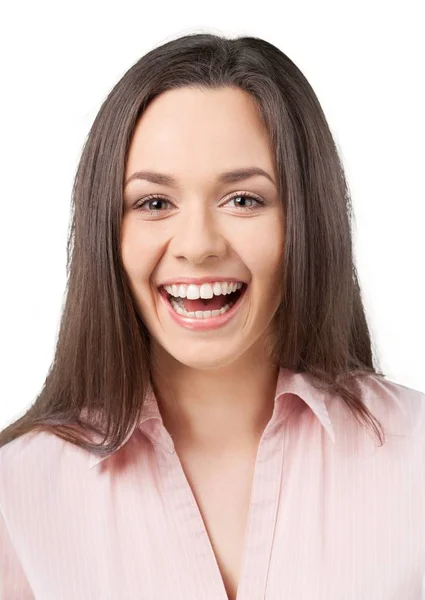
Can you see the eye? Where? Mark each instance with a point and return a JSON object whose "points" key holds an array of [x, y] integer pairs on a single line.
{"points": [[250, 197], [154, 199], [145, 203]]}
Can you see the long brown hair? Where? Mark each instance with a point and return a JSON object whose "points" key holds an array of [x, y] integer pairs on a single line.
{"points": [[102, 359]]}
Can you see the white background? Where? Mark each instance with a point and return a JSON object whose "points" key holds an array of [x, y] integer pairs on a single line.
{"points": [[58, 62]]}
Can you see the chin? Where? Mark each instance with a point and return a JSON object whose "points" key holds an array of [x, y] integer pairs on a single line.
{"points": [[203, 357]]}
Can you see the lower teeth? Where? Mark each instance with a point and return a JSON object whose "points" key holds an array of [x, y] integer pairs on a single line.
{"points": [[199, 314]]}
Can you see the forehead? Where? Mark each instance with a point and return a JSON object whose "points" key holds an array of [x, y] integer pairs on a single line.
{"points": [[194, 130]]}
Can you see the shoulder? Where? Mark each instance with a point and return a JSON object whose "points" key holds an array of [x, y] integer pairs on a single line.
{"points": [[376, 387], [393, 403], [33, 461], [28, 449]]}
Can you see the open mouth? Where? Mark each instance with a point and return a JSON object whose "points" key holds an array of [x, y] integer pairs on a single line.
{"points": [[203, 307]]}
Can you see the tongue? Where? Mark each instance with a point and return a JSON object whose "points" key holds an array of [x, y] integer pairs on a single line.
{"points": [[214, 303]]}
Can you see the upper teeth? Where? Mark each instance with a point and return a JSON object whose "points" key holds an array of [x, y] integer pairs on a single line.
{"points": [[206, 290]]}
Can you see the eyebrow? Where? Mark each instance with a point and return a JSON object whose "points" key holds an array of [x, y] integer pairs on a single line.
{"points": [[233, 176]]}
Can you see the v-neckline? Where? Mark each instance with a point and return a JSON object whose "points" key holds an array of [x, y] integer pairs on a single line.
{"points": [[260, 526]]}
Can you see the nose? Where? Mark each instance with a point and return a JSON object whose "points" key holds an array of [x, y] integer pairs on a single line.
{"points": [[199, 235]]}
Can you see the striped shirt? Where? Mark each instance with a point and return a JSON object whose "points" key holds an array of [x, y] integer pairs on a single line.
{"points": [[332, 515]]}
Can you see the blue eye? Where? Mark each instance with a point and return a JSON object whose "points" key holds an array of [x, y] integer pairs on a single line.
{"points": [[156, 198]]}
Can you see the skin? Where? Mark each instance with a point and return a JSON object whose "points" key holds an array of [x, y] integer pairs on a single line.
{"points": [[215, 388]]}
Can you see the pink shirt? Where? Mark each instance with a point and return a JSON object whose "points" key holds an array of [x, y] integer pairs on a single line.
{"points": [[332, 515]]}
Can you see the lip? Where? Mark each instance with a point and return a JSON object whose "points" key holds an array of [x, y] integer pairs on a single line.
{"points": [[203, 324], [199, 280]]}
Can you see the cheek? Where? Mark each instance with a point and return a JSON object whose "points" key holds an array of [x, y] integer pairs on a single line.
{"points": [[139, 252], [263, 254]]}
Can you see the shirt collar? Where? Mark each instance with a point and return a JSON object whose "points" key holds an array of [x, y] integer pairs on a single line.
{"points": [[288, 382]]}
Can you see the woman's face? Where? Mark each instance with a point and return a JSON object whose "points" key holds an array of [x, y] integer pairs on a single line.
{"points": [[199, 225]]}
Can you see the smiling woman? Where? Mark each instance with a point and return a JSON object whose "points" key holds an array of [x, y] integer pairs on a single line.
{"points": [[202, 229], [212, 353]]}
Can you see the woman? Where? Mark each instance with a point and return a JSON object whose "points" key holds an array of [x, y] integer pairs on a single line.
{"points": [[204, 430]]}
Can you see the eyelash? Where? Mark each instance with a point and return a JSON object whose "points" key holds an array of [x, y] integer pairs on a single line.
{"points": [[235, 195]]}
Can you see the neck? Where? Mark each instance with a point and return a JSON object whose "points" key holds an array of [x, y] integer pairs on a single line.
{"points": [[216, 409]]}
